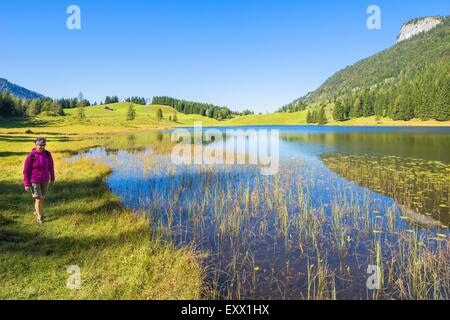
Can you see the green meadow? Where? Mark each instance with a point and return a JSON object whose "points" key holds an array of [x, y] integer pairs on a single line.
{"points": [[86, 226], [145, 116], [104, 119], [119, 256]]}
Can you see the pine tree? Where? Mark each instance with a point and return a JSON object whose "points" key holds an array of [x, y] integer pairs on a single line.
{"points": [[46, 107], [6, 105], [308, 117], [442, 100], [321, 116], [131, 113], [338, 111], [314, 116], [33, 108], [55, 108], [61, 110], [159, 114], [81, 115], [356, 111]]}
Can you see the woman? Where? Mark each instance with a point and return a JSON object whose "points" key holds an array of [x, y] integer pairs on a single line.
{"points": [[38, 171]]}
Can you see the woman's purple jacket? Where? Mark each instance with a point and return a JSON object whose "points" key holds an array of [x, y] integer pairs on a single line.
{"points": [[38, 168]]}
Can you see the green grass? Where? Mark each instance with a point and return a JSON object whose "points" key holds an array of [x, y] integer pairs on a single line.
{"points": [[299, 118], [144, 115], [101, 120], [373, 121], [277, 118], [88, 227]]}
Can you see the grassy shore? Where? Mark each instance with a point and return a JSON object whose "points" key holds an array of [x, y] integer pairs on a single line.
{"points": [[373, 121], [299, 118], [87, 227]]}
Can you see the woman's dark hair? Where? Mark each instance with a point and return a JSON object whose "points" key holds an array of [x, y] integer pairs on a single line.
{"points": [[39, 140]]}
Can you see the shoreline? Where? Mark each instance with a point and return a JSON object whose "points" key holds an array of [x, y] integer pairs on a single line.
{"points": [[351, 123], [316, 125]]}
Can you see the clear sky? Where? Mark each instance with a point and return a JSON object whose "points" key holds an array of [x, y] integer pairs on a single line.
{"points": [[257, 54]]}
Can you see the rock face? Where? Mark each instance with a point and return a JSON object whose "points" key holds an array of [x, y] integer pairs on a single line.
{"points": [[414, 27]]}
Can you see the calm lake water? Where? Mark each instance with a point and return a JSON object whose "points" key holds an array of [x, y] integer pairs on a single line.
{"points": [[345, 200]]}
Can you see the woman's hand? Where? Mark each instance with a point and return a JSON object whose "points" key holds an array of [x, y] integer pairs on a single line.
{"points": [[27, 189]]}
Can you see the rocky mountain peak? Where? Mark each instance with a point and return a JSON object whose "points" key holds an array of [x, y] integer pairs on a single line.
{"points": [[416, 26]]}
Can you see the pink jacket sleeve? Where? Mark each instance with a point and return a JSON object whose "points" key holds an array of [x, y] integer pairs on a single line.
{"points": [[27, 171], [51, 167]]}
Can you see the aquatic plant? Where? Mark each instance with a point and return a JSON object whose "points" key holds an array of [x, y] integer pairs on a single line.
{"points": [[304, 233]]}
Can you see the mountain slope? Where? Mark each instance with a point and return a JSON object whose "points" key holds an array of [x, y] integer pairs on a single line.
{"points": [[18, 91], [388, 65]]}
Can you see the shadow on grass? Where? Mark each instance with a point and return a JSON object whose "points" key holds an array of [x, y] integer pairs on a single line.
{"points": [[31, 137], [12, 154], [35, 243], [81, 199], [22, 123]]}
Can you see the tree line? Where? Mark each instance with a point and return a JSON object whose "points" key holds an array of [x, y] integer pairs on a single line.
{"points": [[204, 109], [136, 100], [113, 99], [422, 93], [317, 116], [12, 106], [297, 105]]}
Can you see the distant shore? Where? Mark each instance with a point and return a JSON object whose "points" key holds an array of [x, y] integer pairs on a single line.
{"points": [[100, 121]]}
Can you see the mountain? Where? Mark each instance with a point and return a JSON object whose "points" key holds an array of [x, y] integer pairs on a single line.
{"points": [[18, 91], [416, 26], [421, 42]]}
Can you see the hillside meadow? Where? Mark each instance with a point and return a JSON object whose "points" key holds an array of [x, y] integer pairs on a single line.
{"points": [[102, 120]]}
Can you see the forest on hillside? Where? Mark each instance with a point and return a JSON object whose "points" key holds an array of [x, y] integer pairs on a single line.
{"points": [[204, 109], [406, 56], [409, 80], [422, 93]]}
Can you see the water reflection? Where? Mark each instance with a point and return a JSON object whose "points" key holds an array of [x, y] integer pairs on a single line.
{"points": [[311, 230]]}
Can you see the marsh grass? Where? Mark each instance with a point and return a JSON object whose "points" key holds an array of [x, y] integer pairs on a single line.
{"points": [[301, 234], [420, 186]]}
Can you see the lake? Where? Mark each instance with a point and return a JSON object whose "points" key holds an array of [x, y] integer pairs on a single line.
{"points": [[353, 212]]}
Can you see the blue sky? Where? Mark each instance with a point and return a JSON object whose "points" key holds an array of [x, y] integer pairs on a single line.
{"points": [[256, 54]]}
